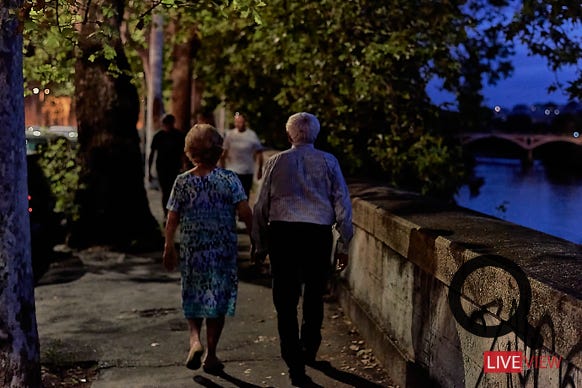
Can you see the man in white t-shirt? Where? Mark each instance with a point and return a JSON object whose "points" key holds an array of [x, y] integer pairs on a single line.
{"points": [[242, 149]]}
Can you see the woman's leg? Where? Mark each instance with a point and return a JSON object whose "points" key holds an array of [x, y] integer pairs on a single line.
{"points": [[195, 326], [196, 352], [214, 328]]}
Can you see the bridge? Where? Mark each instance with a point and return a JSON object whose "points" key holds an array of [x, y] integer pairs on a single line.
{"points": [[527, 141]]}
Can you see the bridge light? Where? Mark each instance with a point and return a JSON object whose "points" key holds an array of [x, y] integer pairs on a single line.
{"points": [[35, 90], [547, 112], [556, 112], [497, 108], [576, 134]]}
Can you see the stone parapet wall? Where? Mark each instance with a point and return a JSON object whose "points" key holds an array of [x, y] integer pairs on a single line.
{"points": [[403, 285]]}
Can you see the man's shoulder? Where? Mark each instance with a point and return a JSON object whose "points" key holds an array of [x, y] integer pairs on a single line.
{"points": [[330, 158]]}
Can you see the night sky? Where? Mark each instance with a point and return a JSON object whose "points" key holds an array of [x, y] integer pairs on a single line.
{"points": [[528, 84]]}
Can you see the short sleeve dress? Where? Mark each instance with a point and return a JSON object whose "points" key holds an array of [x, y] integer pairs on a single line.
{"points": [[208, 246]]}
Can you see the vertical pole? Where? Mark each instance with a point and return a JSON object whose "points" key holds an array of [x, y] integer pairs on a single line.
{"points": [[154, 108]]}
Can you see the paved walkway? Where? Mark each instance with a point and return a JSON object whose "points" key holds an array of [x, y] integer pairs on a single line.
{"points": [[122, 314]]}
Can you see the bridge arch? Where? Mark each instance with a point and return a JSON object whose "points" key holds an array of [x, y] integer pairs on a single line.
{"points": [[525, 141]]}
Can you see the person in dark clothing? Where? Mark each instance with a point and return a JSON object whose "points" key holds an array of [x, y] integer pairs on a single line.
{"points": [[168, 150]]}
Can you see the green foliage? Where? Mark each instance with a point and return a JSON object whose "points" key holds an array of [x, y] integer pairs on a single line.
{"points": [[362, 67], [51, 33], [59, 164], [429, 160]]}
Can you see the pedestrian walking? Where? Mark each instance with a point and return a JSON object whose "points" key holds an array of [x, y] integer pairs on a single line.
{"points": [[303, 195], [168, 151], [203, 202], [242, 150]]}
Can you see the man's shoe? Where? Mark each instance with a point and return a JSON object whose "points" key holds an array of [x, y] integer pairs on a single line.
{"points": [[309, 358], [301, 380]]}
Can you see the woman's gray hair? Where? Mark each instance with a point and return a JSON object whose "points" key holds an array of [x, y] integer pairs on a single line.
{"points": [[203, 144], [302, 128]]}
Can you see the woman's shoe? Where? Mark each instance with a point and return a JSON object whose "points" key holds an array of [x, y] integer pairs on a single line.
{"points": [[214, 368], [194, 360]]}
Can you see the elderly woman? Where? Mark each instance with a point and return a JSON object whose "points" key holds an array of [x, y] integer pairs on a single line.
{"points": [[302, 196], [204, 202]]}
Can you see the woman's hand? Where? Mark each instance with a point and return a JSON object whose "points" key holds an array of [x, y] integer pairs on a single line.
{"points": [[170, 257]]}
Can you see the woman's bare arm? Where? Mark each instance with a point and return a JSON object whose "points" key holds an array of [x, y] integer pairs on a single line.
{"points": [[245, 215], [170, 256]]}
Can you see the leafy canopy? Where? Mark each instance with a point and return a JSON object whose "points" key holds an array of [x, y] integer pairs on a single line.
{"points": [[361, 66]]}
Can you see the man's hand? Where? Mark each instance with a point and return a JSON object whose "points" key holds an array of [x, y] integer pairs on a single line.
{"points": [[341, 261], [170, 257]]}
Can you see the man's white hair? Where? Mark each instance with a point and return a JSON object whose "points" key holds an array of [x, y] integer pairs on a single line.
{"points": [[302, 128]]}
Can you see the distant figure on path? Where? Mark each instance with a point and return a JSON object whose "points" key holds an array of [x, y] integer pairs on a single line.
{"points": [[242, 148], [303, 195], [205, 117], [203, 202], [168, 150]]}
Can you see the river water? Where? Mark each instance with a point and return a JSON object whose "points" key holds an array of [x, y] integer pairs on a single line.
{"points": [[536, 197]]}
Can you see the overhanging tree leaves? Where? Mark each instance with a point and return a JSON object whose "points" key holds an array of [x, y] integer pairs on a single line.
{"points": [[552, 29], [362, 67], [84, 38]]}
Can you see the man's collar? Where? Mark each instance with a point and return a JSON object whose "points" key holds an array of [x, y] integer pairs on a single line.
{"points": [[306, 145]]}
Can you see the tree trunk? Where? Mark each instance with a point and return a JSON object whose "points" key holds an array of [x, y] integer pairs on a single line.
{"points": [[114, 206], [181, 75], [155, 107], [19, 349]]}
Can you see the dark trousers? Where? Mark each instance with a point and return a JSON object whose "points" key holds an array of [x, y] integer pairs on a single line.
{"points": [[247, 182], [300, 256]]}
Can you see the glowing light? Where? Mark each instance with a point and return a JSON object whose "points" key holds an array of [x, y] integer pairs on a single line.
{"points": [[497, 108], [30, 210], [36, 90], [73, 134], [547, 112], [556, 112], [47, 91], [36, 133], [29, 197], [576, 134]]}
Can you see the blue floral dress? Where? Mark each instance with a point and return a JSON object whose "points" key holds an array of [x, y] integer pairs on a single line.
{"points": [[208, 247]]}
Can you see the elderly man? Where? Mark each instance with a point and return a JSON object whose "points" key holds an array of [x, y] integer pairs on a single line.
{"points": [[303, 196]]}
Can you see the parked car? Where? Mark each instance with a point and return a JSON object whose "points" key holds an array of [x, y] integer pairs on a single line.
{"points": [[70, 133]]}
